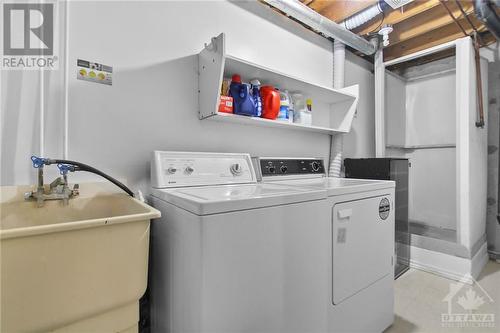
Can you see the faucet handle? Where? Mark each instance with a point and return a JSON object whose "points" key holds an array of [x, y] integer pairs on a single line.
{"points": [[38, 162], [65, 168]]}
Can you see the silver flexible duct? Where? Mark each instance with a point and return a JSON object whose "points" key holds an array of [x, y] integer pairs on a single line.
{"points": [[363, 17], [318, 22]]}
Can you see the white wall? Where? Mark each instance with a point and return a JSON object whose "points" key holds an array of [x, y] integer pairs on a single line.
{"points": [[152, 103], [493, 217], [395, 108], [432, 185], [360, 141], [430, 105], [471, 147], [422, 112]]}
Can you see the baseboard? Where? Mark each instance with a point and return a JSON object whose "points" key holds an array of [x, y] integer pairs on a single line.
{"points": [[479, 260], [494, 255], [449, 266]]}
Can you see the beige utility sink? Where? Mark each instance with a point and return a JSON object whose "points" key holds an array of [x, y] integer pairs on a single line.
{"points": [[75, 268]]}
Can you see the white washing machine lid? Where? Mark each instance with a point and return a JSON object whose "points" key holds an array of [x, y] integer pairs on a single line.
{"points": [[338, 186], [205, 200]]}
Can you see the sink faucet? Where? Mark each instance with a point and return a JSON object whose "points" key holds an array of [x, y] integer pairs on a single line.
{"points": [[58, 189]]}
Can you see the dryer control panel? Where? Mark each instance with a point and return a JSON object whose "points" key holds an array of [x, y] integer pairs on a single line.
{"points": [[290, 166]]}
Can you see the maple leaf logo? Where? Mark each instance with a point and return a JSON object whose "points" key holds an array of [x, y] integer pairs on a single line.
{"points": [[471, 301]]}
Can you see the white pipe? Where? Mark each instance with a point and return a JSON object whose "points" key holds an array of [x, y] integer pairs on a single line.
{"points": [[338, 65], [337, 145], [66, 81], [41, 138]]}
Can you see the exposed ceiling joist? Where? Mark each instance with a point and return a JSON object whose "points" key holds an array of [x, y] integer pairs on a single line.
{"points": [[340, 10], [417, 25], [426, 40], [433, 20]]}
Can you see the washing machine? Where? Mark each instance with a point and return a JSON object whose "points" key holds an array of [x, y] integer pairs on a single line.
{"points": [[233, 255], [360, 217]]}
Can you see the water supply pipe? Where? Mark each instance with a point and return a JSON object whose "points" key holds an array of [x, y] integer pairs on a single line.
{"points": [[318, 22], [41, 138], [66, 83]]}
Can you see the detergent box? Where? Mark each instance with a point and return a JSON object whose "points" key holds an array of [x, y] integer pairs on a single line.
{"points": [[226, 104]]}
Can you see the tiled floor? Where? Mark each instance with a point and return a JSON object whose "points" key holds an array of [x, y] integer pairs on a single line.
{"points": [[420, 301]]}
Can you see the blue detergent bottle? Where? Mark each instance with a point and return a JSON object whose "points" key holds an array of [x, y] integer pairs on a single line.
{"points": [[242, 99], [255, 87]]}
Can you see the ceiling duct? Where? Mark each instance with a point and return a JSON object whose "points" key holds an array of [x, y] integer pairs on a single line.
{"points": [[366, 15], [318, 22]]}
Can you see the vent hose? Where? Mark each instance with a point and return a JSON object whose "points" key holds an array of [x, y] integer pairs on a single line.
{"points": [[337, 144]]}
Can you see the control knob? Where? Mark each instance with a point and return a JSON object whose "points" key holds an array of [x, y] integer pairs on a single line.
{"points": [[315, 166], [236, 169], [171, 170], [189, 170], [283, 169]]}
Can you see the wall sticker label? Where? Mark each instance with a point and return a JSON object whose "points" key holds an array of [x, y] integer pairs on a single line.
{"points": [[94, 72], [383, 208]]}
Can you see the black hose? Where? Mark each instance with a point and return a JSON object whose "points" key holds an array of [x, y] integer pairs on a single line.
{"points": [[84, 167]]}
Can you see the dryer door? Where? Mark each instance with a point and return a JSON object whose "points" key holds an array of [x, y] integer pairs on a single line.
{"points": [[363, 243]]}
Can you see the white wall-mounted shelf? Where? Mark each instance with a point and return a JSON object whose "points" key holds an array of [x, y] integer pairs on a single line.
{"points": [[333, 109], [435, 146]]}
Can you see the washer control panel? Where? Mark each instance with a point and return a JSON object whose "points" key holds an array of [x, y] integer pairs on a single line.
{"points": [[288, 166], [178, 169]]}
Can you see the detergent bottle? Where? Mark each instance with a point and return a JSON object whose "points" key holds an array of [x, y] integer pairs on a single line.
{"points": [[290, 107], [255, 86], [242, 99], [270, 102], [284, 105]]}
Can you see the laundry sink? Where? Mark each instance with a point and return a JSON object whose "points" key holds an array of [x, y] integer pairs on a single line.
{"points": [[75, 268]]}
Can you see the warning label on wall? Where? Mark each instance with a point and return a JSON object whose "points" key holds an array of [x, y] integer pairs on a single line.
{"points": [[94, 72]]}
